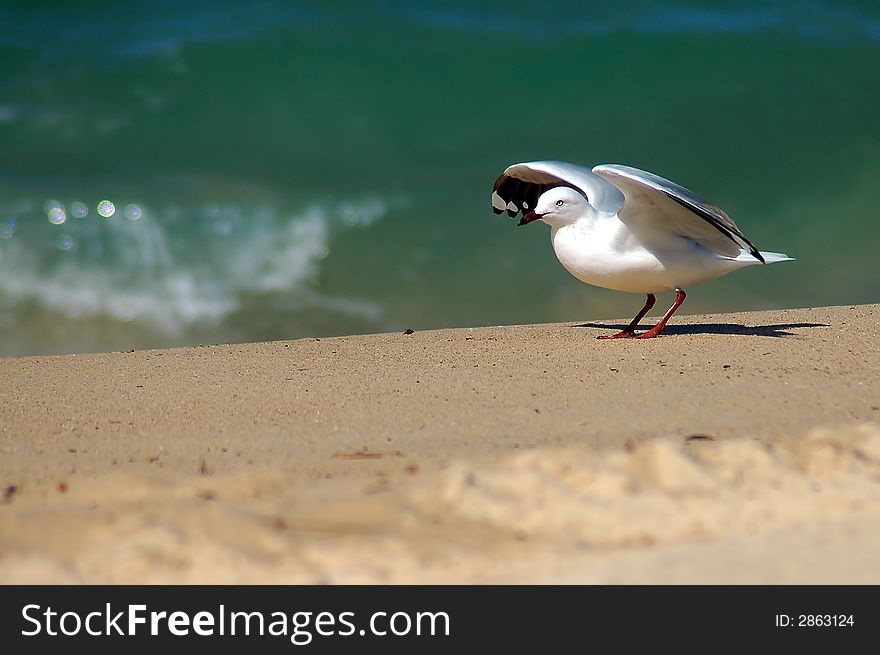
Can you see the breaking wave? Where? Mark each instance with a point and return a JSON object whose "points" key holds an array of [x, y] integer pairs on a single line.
{"points": [[174, 266]]}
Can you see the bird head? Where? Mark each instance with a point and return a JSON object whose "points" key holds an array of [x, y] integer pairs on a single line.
{"points": [[558, 206]]}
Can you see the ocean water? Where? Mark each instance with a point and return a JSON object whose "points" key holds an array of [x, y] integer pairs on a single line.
{"points": [[178, 173]]}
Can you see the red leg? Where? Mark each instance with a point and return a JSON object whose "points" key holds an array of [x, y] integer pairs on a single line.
{"points": [[680, 295], [630, 330]]}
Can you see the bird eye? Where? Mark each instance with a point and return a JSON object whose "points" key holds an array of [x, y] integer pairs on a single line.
{"points": [[559, 203]]}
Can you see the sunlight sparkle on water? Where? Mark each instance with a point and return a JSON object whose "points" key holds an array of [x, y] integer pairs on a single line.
{"points": [[55, 212], [65, 242], [106, 208], [78, 209], [133, 212]]}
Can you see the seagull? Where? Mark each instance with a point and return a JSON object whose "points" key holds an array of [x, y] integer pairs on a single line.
{"points": [[622, 228]]}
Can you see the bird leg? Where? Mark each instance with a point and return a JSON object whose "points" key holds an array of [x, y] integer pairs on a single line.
{"points": [[630, 330], [680, 295]]}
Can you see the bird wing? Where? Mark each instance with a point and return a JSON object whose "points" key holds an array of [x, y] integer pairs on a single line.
{"points": [[654, 203], [519, 186]]}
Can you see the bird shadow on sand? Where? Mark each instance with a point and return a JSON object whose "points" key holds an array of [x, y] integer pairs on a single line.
{"points": [[779, 330]]}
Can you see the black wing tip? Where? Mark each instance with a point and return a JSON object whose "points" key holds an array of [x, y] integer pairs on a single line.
{"points": [[736, 236], [496, 210]]}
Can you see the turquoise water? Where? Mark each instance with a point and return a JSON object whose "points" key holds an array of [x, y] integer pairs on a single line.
{"points": [[281, 169]]}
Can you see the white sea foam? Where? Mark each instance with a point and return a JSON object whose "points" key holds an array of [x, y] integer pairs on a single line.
{"points": [[176, 266]]}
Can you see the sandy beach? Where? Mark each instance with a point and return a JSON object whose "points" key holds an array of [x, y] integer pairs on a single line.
{"points": [[736, 448]]}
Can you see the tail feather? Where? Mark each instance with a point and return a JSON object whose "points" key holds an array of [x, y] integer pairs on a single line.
{"points": [[773, 257]]}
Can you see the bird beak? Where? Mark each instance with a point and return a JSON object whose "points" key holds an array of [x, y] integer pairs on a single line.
{"points": [[528, 218]]}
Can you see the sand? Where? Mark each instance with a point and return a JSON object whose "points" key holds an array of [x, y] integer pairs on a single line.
{"points": [[738, 448]]}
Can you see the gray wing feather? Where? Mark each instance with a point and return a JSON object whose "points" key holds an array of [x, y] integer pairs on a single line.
{"points": [[651, 198]]}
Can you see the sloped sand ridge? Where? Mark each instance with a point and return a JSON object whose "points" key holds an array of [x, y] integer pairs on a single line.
{"points": [[704, 510], [664, 492]]}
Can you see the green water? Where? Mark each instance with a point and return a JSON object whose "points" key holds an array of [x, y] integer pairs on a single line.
{"points": [[282, 169]]}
